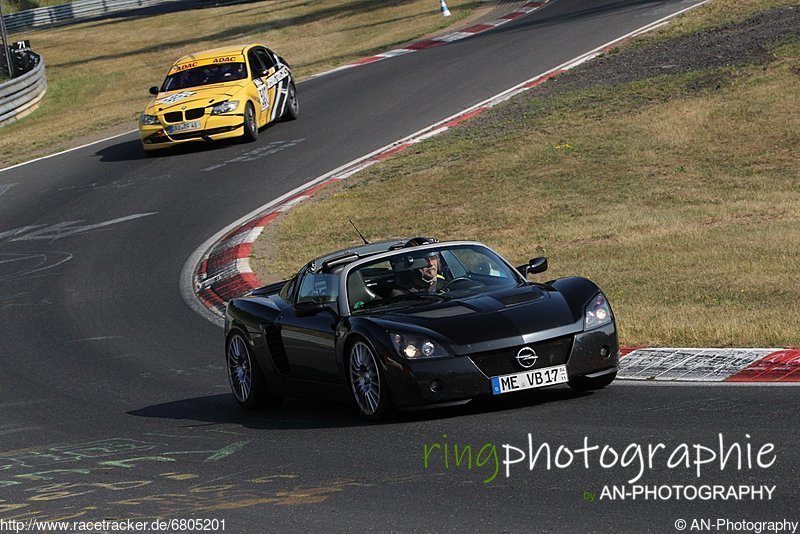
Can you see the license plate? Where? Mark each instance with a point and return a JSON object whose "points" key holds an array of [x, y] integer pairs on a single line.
{"points": [[536, 378], [175, 128]]}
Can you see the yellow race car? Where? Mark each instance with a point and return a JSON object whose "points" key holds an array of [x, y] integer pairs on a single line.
{"points": [[219, 94]]}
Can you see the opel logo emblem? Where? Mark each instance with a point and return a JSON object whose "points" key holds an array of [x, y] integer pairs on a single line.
{"points": [[527, 357]]}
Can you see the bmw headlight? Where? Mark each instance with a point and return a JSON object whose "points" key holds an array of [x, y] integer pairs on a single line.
{"points": [[597, 312], [413, 347], [149, 120], [224, 107]]}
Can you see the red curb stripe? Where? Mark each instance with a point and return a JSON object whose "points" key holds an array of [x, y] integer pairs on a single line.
{"points": [[512, 16], [367, 60], [392, 151], [263, 221], [544, 78], [316, 188], [534, 4], [423, 45], [218, 262], [465, 117], [780, 366], [235, 286], [478, 28]]}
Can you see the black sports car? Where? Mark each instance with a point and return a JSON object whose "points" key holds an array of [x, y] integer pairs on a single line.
{"points": [[413, 322]]}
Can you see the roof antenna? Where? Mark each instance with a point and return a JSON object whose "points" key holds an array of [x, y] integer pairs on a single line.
{"points": [[359, 233]]}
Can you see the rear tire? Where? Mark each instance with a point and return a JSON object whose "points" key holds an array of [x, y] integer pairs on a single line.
{"points": [[244, 375], [250, 124], [367, 383], [582, 383]]}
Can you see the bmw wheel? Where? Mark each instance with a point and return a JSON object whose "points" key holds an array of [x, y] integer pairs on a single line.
{"points": [[244, 375], [292, 105], [366, 382], [250, 124]]}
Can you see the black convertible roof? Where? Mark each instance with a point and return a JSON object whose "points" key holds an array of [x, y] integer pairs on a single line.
{"points": [[348, 255]]}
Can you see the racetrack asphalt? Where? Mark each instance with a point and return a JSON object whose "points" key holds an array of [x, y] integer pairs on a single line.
{"points": [[114, 400]]}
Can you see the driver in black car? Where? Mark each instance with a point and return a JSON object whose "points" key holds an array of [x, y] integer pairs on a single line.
{"points": [[418, 275]]}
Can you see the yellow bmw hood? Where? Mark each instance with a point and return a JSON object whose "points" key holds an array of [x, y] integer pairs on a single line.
{"points": [[194, 97]]}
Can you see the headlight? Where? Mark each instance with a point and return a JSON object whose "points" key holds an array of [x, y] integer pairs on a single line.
{"points": [[224, 107], [149, 119], [597, 313], [414, 347]]}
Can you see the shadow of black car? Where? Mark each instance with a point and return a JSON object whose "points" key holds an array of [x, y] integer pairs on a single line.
{"points": [[311, 413]]}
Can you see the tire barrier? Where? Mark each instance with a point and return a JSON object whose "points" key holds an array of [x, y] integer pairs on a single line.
{"points": [[22, 94]]}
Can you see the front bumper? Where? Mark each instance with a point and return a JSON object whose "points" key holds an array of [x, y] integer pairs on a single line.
{"points": [[213, 128], [415, 383]]}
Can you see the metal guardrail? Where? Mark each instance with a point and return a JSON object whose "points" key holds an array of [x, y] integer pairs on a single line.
{"points": [[19, 96], [83, 9]]}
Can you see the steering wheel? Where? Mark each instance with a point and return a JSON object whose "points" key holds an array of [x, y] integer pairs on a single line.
{"points": [[450, 285]]}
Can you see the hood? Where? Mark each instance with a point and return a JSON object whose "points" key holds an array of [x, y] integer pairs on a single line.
{"points": [[194, 97], [488, 322]]}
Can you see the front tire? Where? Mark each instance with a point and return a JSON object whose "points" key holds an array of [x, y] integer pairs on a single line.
{"points": [[250, 123], [367, 383], [244, 376]]}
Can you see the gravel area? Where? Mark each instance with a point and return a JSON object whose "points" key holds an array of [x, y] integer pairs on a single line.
{"points": [[736, 44]]}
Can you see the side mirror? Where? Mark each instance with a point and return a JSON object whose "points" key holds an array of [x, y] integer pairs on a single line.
{"points": [[154, 90], [309, 307], [535, 265]]}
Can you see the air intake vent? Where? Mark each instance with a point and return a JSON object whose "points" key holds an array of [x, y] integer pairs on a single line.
{"points": [[276, 349]]}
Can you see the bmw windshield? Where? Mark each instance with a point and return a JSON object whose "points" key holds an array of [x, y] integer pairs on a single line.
{"points": [[409, 278], [205, 75]]}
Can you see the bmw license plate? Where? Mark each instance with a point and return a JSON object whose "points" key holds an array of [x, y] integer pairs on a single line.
{"points": [[175, 128], [537, 378]]}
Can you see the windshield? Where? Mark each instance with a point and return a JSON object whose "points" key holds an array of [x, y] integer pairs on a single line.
{"points": [[412, 278], [205, 75]]}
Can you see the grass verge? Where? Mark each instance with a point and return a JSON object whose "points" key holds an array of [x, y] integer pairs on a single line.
{"points": [[98, 72], [679, 194]]}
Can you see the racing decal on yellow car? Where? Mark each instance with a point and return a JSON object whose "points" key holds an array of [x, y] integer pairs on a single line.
{"points": [[177, 97], [262, 93], [201, 62], [273, 80]]}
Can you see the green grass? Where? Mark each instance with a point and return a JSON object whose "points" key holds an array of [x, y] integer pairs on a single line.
{"points": [[679, 195], [98, 73]]}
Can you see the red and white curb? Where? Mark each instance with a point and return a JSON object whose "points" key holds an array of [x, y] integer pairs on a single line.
{"points": [[440, 40], [710, 365]]}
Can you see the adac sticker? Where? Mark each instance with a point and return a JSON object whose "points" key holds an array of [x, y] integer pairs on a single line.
{"points": [[177, 97], [202, 62]]}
